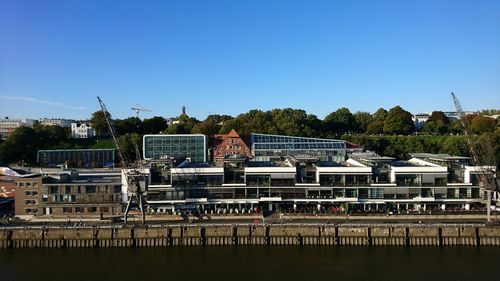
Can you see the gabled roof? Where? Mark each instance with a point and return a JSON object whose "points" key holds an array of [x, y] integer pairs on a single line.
{"points": [[233, 134]]}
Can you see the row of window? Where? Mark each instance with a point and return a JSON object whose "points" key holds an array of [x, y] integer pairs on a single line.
{"points": [[27, 184], [88, 189], [31, 210], [31, 193], [92, 209], [30, 202], [361, 193]]}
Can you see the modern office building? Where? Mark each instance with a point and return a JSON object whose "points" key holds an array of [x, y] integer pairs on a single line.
{"points": [[82, 131], [275, 148], [364, 182], [7, 126], [76, 158], [230, 144], [190, 146]]}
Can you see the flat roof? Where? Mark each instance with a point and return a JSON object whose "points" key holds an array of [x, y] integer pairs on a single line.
{"points": [[84, 179], [196, 165], [77, 149], [263, 164], [174, 135], [370, 157], [439, 157], [284, 136], [402, 163]]}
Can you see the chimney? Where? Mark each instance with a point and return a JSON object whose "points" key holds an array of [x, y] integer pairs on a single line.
{"points": [[183, 110]]}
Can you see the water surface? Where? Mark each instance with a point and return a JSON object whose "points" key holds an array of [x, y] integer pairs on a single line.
{"points": [[252, 263]]}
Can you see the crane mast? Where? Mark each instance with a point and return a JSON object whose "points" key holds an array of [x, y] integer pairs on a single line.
{"points": [[137, 182], [479, 158]]}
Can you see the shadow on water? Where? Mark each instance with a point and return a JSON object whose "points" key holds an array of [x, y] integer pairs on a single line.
{"points": [[251, 263]]}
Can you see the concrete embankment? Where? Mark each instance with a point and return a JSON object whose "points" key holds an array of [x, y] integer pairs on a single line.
{"points": [[242, 235]]}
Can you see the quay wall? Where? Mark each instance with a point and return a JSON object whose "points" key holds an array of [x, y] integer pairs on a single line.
{"points": [[243, 235]]}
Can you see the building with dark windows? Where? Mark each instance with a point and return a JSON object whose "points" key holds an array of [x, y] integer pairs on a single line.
{"points": [[363, 182], [69, 194], [77, 158], [230, 145], [191, 146], [27, 195], [275, 148]]}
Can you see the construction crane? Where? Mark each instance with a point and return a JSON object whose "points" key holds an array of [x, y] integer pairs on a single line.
{"points": [[481, 158], [137, 108], [137, 181]]}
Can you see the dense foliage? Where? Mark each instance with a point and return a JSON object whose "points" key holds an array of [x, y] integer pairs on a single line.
{"points": [[388, 132]]}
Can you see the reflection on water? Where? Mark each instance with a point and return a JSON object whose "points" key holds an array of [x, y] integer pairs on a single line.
{"points": [[251, 263]]}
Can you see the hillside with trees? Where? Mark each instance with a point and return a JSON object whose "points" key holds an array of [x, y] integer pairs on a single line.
{"points": [[388, 132]]}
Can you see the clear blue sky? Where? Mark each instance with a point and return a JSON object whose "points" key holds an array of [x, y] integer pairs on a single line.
{"points": [[231, 56]]}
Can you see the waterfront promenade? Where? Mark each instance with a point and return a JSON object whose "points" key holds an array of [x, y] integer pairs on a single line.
{"points": [[244, 234]]}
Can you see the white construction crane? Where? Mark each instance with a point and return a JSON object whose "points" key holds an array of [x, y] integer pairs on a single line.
{"points": [[136, 178], [482, 159], [137, 108]]}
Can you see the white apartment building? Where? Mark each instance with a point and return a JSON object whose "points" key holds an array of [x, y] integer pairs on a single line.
{"points": [[83, 131]]}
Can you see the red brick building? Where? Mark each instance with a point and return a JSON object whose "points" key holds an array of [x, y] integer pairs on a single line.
{"points": [[229, 144]]}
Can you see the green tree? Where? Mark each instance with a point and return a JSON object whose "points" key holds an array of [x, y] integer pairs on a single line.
{"points": [[437, 123], [435, 127], [219, 119], [455, 145], [153, 125], [98, 122], [482, 124], [49, 136], [455, 127], [398, 122], [126, 143], [128, 125], [209, 127], [22, 145], [363, 120], [375, 127], [439, 116], [184, 125], [340, 122], [293, 122], [379, 115]]}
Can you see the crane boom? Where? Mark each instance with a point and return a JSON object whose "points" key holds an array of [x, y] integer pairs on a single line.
{"points": [[479, 157], [137, 182], [137, 108], [124, 161]]}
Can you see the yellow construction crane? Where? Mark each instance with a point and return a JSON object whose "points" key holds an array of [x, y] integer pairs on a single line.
{"points": [[481, 159]]}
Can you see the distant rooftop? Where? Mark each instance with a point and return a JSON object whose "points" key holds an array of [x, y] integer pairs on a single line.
{"points": [[265, 164], [405, 164], [335, 164], [83, 179], [439, 157], [195, 165], [371, 156]]}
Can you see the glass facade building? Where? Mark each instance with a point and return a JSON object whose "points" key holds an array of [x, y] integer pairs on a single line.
{"points": [[274, 148], [82, 158], [156, 147]]}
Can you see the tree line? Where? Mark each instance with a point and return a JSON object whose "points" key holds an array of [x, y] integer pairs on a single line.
{"points": [[388, 132]]}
